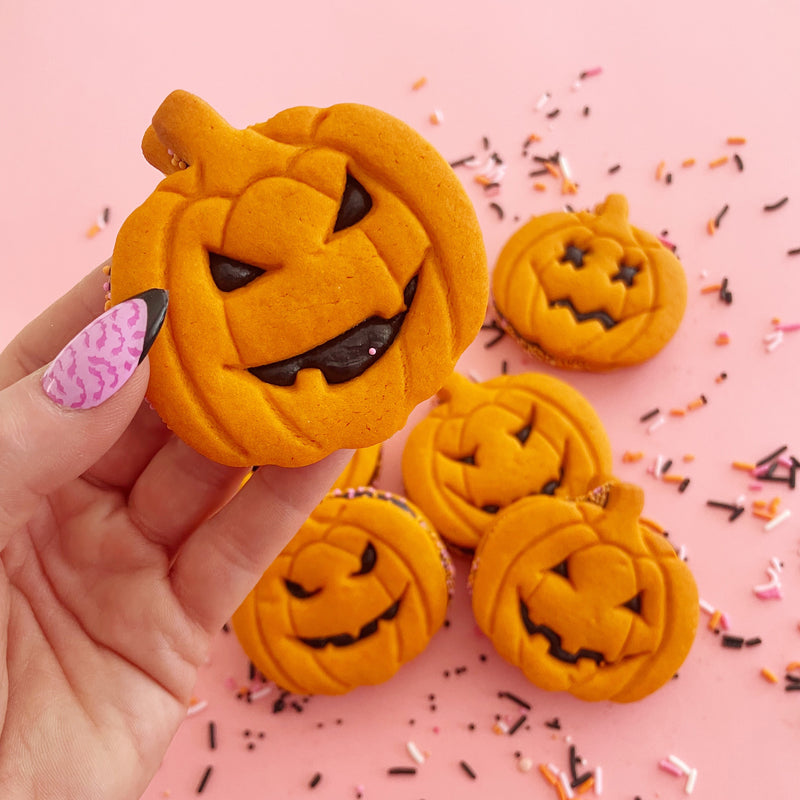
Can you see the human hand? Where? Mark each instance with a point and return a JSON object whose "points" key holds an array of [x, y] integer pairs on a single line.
{"points": [[122, 554]]}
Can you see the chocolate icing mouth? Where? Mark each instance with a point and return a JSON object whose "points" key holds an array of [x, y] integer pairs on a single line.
{"points": [[345, 356], [556, 650], [603, 317], [346, 639]]}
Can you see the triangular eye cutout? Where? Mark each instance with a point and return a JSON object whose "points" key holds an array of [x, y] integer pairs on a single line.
{"points": [[561, 569], [230, 274], [355, 204], [522, 434], [634, 604]]}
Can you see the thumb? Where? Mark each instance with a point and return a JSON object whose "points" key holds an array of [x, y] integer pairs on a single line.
{"points": [[57, 422]]}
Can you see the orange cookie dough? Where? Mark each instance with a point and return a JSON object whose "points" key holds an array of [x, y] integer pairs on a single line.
{"points": [[588, 290], [361, 470], [584, 598], [325, 271], [489, 444], [359, 591]]}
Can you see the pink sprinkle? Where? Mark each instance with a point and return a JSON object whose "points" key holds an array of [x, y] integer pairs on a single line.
{"points": [[785, 462], [771, 593], [666, 242], [725, 622], [788, 326], [759, 471], [668, 766], [436, 729], [755, 487], [590, 73], [372, 351]]}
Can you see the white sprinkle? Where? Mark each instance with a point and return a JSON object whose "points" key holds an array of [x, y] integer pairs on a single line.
{"points": [[575, 85], [525, 764], [598, 781], [542, 102], [706, 606], [565, 783], [565, 170], [691, 781], [681, 765], [775, 521], [196, 707], [776, 563], [774, 341], [682, 552], [259, 693], [415, 753], [657, 424]]}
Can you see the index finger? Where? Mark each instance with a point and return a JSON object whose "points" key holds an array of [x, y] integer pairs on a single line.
{"points": [[40, 341]]}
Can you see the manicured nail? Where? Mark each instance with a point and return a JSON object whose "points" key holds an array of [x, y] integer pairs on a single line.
{"points": [[98, 362]]}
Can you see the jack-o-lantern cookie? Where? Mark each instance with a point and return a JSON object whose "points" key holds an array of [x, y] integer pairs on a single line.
{"points": [[325, 270], [487, 445], [588, 290], [584, 598], [361, 470], [358, 592]]}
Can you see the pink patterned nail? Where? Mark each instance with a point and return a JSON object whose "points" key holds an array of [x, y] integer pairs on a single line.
{"points": [[99, 360]]}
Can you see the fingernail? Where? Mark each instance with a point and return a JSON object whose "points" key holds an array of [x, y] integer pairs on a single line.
{"points": [[98, 362]]}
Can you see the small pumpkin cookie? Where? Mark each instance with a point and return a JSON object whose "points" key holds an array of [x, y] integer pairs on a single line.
{"points": [[487, 445], [359, 591], [361, 469], [584, 598], [325, 269], [588, 290]]}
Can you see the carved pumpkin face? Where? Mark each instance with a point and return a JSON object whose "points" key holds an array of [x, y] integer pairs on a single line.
{"points": [[319, 286], [589, 291], [490, 444], [358, 592], [583, 598]]}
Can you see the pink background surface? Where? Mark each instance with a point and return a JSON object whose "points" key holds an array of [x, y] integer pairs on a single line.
{"points": [[80, 83]]}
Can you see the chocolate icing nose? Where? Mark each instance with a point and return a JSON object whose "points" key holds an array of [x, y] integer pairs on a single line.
{"points": [[344, 357]]}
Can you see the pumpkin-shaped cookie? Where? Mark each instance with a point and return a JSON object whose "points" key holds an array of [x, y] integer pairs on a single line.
{"points": [[487, 445], [358, 592], [325, 271], [583, 598], [588, 290], [361, 470]]}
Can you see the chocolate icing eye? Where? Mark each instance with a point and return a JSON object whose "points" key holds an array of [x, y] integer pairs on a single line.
{"points": [[626, 274], [230, 274], [573, 255], [634, 604], [523, 434], [355, 204], [368, 559], [561, 569], [299, 591]]}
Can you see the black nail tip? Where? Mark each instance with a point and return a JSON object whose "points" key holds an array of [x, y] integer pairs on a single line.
{"points": [[156, 301]]}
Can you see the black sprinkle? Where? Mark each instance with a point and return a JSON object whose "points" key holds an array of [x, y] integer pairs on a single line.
{"points": [[517, 725], [504, 371], [315, 780], [752, 642], [649, 415], [792, 687], [586, 111], [518, 700], [402, 771], [212, 735], [106, 214], [204, 780], [792, 678], [226, 628], [573, 761], [719, 216], [739, 511], [724, 293], [739, 163], [668, 177], [683, 485], [615, 168], [493, 326], [468, 769], [666, 466], [498, 209], [732, 641], [795, 251], [554, 113], [536, 173], [580, 780], [485, 142], [461, 161], [772, 455], [251, 745], [554, 723], [252, 671], [775, 206]]}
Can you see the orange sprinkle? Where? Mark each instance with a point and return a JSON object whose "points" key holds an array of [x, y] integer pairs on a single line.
{"points": [[419, 83], [660, 170], [714, 287], [722, 338], [719, 379], [568, 187], [670, 478], [688, 162], [552, 169], [677, 412], [544, 769], [769, 675], [106, 305], [713, 623], [628, 457], [106, 269], [534, 137], [718, 162], [93, 231], [711, 226], [540, 187], [737, 140], [792, 666], [744, 465], [586, 785], [695, 404], [763, 514], [774, 503], [689, 457], [482, 180], [759, 503]]}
